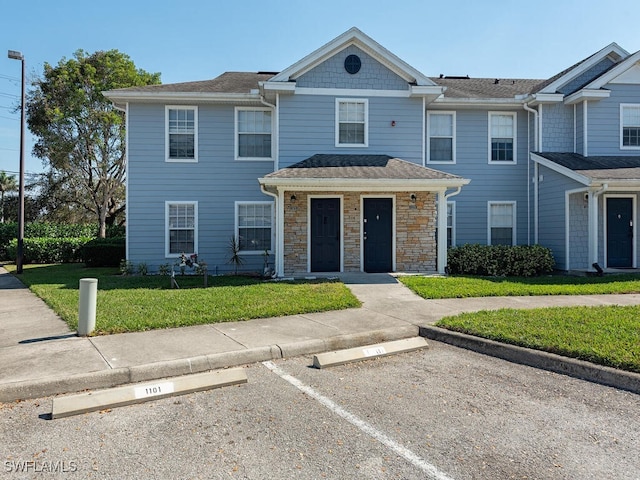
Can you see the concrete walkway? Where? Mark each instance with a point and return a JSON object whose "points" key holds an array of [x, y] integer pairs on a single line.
{"points": [[40, 356]]}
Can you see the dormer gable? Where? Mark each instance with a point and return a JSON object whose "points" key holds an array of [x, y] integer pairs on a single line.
{"points": [[354, 36], [585, 70]]}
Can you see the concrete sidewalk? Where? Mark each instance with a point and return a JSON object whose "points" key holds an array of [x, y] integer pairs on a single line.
{"points": [[40, 356]]}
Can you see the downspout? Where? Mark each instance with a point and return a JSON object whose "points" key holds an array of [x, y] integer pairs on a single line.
{"points": [[442, 227], [593, 223], [535, 147], [279, 256]]}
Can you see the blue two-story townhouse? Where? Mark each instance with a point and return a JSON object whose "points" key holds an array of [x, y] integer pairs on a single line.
{"points": [[351, 160]]}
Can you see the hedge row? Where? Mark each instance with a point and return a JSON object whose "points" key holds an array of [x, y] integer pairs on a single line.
{"points": [[103, 252], [95, 252], [9, 231], [500, 260]]}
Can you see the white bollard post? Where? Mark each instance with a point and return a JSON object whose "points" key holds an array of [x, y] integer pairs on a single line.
{"points": [[87, 306]]}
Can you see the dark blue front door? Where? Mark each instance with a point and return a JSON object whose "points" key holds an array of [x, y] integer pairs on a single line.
{"points": [[619, 232], [377, 233], [325, 234]]}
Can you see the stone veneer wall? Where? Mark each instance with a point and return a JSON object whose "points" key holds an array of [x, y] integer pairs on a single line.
{"points": [[415, 230]]}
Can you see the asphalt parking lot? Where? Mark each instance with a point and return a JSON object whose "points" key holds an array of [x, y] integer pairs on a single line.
{"points": [[438, 413]]}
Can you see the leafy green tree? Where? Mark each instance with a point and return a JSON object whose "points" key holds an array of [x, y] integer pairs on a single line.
{"points": [[7, 184], [80, 134]]}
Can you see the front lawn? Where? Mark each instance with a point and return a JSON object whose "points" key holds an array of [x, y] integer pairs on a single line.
{"points": [[136, 303], [466, 286], [604, 335]]}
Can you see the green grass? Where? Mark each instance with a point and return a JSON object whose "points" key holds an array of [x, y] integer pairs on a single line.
{"points": [[137, 303], [605, 335], [467, 286]]}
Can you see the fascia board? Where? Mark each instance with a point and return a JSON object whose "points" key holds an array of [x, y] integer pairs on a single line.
{"points": [[605, 78], [584, 66], [349, 184], [196, 97], [542, 98], [586, 94], [355, 37], [567, 172], [278, 87], [488, 102]]}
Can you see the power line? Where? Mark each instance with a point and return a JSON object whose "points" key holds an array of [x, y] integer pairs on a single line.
{"points": [[8, 77], [9, 118]]}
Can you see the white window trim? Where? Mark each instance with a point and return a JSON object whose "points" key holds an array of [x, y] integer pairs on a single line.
{"points": [[513, 224], [363, 101], [453, 138], [453, 223], [167, 241], [237, 225], [195, 133], [515, 139], [236, 135], [622, 107]]}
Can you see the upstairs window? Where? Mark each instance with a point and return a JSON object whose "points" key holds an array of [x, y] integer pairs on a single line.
{"points": [[182, 134], [351, 123], [502, 221], [253, 134], [502, 137], [254, 232], [441, 137], [630, 120], [181, 228]]}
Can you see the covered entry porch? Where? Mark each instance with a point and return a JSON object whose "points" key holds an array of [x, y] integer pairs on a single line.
{"points": [[359, 213]]}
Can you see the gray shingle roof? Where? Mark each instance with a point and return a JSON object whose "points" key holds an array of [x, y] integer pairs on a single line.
{"points": [[600, 167], [486, 87], [359, 167], [228, 82]]}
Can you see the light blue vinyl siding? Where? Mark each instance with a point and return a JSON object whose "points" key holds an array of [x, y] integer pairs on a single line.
{"points": [[372, 75], [307, 127], [579, 129], [551, 211], [215, 182], [489, 182], [604, 121]]}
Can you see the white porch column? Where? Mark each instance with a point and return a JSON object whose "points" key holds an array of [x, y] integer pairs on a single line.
{"points": [[593, 228], [442, 231], [280, 234]]}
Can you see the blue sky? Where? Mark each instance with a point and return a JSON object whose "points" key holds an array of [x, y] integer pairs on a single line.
{"points": [[198, 40]]}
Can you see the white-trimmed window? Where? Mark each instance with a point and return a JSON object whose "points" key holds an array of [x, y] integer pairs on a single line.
{"points": [[451, 224], [629, 126], [441, 137], [253, 133], [254, 230], [181, 226], [502, 223], [352, 122], [181, 133], [502, 137]]}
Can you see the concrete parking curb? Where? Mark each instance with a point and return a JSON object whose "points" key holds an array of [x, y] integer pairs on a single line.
{"points": [[171, 368], [572, 367]]}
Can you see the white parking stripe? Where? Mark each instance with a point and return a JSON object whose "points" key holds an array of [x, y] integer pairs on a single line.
{"points": [[415, 460]]}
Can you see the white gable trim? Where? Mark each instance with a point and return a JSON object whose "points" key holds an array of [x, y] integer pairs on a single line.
{"points": [[613, 48], [354, 36]]}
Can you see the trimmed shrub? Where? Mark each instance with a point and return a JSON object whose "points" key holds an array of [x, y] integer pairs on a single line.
{"points": [[500, 260], [103, 252], [48, 250], [9, 231]]}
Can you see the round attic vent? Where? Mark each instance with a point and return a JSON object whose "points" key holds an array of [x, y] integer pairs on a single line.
{"points": [[352, 64]]}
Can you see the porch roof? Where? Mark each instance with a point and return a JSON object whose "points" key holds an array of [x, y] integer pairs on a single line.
{"points": [[597, 169], [346, 172]]}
